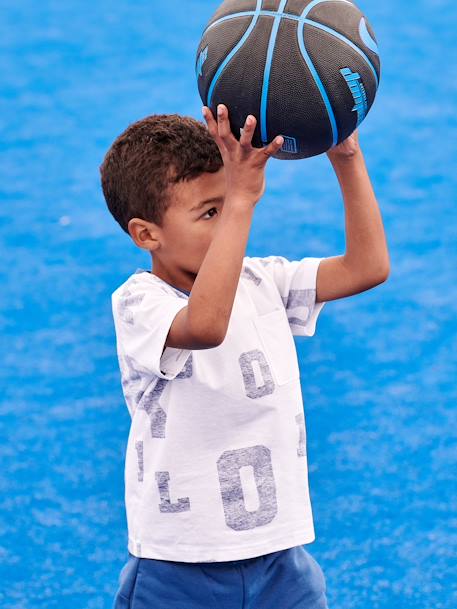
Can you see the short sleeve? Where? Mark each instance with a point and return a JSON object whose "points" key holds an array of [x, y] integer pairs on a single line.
{"points": [[143, 315], [296, 282]]}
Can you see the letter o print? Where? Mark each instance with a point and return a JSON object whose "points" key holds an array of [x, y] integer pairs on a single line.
{"points": [[228, 466], [247, 370]]}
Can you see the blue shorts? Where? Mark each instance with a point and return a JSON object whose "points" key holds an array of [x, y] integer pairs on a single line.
{"points": [[287, 579]]}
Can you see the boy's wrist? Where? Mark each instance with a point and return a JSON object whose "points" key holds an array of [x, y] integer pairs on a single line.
{"points": [[239, 204], [346, 152], [335, 156], [342, 162]]}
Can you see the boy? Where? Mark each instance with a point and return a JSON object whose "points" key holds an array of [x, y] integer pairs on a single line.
{"points": [[217, 496]]}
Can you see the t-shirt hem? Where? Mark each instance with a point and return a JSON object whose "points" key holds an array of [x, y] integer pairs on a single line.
{"points": [[191, 554]]}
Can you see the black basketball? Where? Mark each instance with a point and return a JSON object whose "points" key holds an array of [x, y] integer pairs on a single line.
{"points": [[307, 70]]}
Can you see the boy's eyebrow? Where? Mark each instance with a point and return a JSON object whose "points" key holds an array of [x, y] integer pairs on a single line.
{"points": [[206, 201]]}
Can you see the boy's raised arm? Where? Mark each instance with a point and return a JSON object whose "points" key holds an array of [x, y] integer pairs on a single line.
{"points": [[213, 293], [366, 261]]}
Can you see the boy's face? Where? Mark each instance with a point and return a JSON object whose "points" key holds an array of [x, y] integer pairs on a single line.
{"points": [[180, 246]]}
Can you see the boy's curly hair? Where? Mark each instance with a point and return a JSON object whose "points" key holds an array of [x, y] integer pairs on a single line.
{"points": [[147, 157]]}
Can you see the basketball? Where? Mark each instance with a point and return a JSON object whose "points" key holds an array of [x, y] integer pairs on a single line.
{"points": [[307, 70]]}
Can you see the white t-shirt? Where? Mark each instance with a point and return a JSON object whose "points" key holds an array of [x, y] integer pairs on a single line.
{"points": [[216, 464]]}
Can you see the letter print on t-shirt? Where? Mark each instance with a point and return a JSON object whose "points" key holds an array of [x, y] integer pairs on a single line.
{"points": [[247, 361], [229, 466], [216, 458]]}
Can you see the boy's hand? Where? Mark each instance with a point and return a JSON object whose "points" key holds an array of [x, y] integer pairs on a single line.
{"points": [[244, 164], [345, 150]]}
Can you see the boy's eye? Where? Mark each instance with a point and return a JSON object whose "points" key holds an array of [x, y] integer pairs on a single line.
{"points": [[212, 208]]}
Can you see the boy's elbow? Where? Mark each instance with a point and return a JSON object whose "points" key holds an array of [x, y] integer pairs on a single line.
{"points": [[213, 338], [381, 275], [219, 339]]}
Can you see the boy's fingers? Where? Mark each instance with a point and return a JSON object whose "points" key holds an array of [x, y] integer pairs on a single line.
{"points": [[247, 132], [210, 121], [207, 114], [221, 132], [213, 128], [274, 147], [225, 133]]}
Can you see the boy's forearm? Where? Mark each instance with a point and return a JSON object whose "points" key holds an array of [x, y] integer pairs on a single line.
{"points": [[213, 293], [366, 245]]}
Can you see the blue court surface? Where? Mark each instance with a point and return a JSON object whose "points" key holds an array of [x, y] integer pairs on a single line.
{"points": [[378, 378]]}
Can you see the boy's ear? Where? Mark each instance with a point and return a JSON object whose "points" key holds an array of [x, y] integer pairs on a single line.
{"points": [[144, 234]]}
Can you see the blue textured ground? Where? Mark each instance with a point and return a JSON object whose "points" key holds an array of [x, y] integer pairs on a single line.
{"points": [[379, 377]]}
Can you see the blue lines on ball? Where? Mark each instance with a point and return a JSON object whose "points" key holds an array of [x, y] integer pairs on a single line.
{"points": [[320, 86], [366, 37], [266, 75], [234, 51], [319, 26], [301, 20]]}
